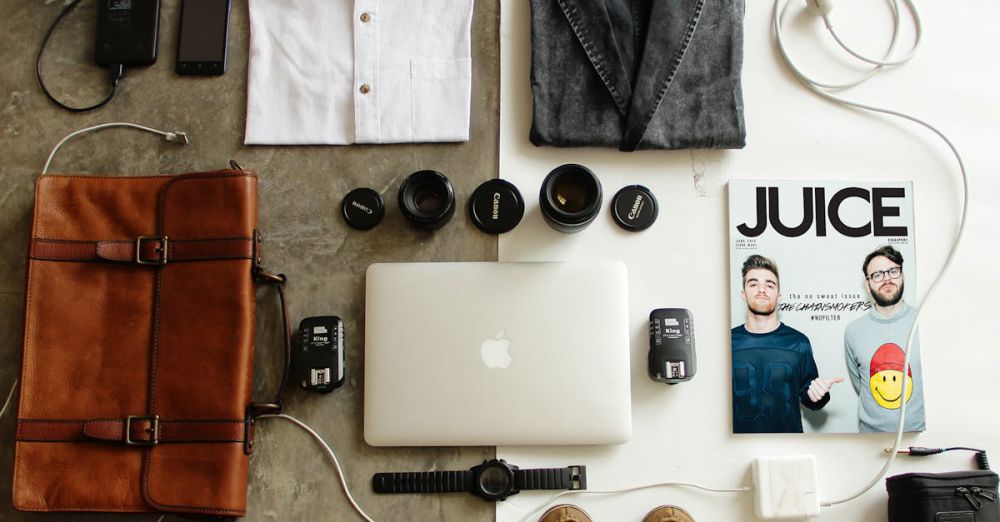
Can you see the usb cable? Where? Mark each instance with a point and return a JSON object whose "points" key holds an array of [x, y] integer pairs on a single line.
{"points": [[117, 70]]}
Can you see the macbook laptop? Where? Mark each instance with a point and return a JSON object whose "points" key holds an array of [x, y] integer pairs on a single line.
{"points": [[490, 354]]}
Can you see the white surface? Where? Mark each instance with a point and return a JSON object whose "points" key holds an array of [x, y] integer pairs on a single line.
{"points": [[309, 58], [683, 433], [498, 353]]}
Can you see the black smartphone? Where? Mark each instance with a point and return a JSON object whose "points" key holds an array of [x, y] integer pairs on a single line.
{"points": [[201, 46]]}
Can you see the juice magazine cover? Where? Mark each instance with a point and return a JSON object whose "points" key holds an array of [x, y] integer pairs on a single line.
{"points": [[822, 275]]}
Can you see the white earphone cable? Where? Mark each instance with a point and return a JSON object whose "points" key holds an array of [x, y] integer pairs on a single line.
{"points": [[329, 453], [10, 396], [818, 88], [551, 499], [878, 64], [172, 136], [918, 31]]}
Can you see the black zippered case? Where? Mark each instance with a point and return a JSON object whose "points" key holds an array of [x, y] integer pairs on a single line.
{"points": [[959, 496]]}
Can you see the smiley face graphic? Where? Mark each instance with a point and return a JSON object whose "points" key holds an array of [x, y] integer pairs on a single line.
{"points": [[886, 377]]}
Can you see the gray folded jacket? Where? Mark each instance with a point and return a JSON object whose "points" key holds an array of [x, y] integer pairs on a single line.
{"points": [[637, 74]]}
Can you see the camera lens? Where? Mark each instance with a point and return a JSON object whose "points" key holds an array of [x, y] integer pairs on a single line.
{"points": [[427, 199], [570, 198]]}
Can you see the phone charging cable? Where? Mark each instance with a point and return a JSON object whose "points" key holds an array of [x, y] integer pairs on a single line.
{"points": [[117, 70]]}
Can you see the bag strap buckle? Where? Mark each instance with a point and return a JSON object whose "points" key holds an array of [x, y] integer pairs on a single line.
{"points": [[161, 251], [153, 430]]}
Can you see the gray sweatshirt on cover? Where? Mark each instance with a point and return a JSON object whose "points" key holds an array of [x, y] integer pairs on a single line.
{"points": [[873, 347]]}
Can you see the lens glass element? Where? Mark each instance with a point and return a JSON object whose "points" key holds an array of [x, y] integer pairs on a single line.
{"points": [[427, 199], [572, 192]]}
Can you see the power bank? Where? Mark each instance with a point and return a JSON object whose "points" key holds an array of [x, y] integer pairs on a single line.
{"points": [[127, 32]]}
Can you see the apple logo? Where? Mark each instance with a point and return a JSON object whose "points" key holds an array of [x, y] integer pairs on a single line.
{"points": [[494, 351]]}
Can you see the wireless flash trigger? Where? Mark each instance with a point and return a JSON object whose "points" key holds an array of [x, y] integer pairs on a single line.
{"points": [[671, 345], [319, 354]]}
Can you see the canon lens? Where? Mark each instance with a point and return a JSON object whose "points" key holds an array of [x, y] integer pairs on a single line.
{"points": [[427, 199], [570, 198]]}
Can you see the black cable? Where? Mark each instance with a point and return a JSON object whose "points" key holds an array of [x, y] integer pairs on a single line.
{"points": [[117, 70], [984, 463], [981, 460]]}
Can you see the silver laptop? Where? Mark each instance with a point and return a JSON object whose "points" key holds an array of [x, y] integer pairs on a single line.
{"points": [[488, 354]]}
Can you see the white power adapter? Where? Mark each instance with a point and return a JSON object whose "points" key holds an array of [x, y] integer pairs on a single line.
{"points": [[785, 488]]}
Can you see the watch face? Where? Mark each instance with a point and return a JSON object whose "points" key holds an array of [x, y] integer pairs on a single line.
{"points": [[495, 480]]}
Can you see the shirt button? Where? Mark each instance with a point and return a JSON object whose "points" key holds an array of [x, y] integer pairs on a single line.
{"points": [[365, 88], [365, 17]]}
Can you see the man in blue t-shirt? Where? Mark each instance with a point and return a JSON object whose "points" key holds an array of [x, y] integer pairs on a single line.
{"points": [[773, 365]]}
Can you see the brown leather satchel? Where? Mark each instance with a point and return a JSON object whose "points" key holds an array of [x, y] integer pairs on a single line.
{"points": [[136, 380]]}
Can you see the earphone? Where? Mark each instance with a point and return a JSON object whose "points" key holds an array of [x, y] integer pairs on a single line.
{"points": [[823, 8], [819, 7]]}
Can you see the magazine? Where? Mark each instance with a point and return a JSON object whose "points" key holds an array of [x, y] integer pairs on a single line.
{"points": [[822, 280]]}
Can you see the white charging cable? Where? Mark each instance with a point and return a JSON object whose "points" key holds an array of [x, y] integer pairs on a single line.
{"points": [[823, 7], [329, 453], [553, 498], [171, 136], [9, 397]]}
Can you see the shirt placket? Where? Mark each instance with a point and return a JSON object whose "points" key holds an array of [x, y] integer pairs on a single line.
{"points": [[366, 85]]}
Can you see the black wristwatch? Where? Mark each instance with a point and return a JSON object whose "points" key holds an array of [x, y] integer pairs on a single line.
{"points": [[491, 480]]}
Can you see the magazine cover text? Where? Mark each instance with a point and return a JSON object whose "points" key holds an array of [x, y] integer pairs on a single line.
{"points": [[822, 279]]}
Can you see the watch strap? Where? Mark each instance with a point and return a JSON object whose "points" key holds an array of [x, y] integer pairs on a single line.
{"points": [[571, 477], [423, 482]]}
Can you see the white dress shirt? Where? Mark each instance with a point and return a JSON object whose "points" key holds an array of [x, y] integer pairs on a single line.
{"points": [[336, 72]]}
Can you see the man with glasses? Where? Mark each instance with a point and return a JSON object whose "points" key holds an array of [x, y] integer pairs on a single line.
{"points": [[873, 347], [773, 365]]}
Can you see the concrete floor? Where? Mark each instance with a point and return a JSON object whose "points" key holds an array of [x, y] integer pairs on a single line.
{"points": [[300, 193]]}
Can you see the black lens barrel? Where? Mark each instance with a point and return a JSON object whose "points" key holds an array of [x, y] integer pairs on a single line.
{"points": [[427, 199], [570, 198]]}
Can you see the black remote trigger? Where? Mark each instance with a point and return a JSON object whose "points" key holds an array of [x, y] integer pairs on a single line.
{"points": [[671, 345], [319, 354]]}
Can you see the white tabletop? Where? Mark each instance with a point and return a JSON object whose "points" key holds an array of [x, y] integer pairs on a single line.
{"points": [[683, 433]]}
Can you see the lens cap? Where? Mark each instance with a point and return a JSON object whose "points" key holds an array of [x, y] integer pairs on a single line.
{"points": [[496, 206], [363, 208], [634, 208]]}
